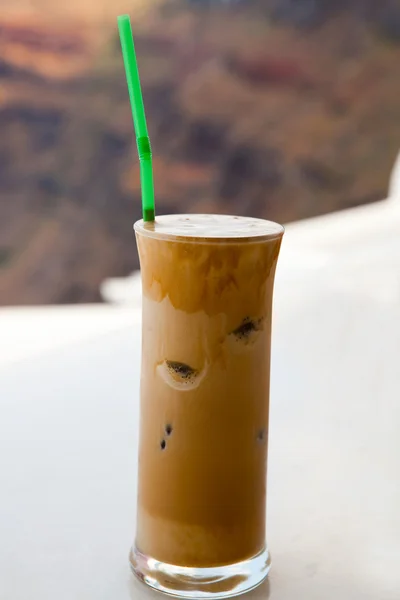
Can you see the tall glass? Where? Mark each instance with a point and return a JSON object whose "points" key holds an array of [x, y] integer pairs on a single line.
{"points": [[207, 299]]}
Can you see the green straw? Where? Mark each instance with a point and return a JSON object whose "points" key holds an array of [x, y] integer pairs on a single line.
{"points": [[139, 117]]}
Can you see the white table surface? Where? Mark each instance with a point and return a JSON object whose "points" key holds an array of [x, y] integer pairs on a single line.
{"points": [[68, 423]]}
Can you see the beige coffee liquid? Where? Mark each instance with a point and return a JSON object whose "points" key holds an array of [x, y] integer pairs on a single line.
{"points": [[207, 295]]}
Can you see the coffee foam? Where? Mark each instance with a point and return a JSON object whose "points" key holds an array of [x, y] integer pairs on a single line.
{"points": [[209, 227]]}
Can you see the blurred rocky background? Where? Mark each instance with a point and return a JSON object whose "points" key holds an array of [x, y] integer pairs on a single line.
{"points": [[282, 109]]}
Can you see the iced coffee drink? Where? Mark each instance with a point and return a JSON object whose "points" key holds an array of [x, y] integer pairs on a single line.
{"points": [[207, 298]]}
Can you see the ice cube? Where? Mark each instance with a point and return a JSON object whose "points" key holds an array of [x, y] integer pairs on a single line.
{"points": [[181, 376]]}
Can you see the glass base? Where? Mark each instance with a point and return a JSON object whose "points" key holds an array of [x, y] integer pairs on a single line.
{"points": [[190, 582]]}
